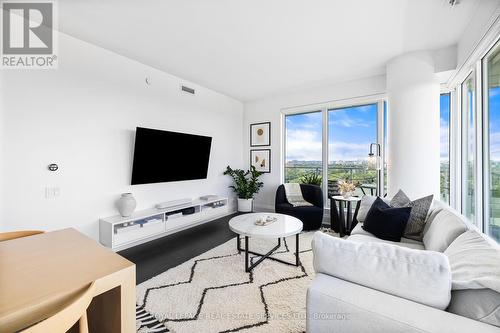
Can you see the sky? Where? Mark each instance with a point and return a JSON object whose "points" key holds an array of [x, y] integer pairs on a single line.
{"points": [[351, 130], [494, 106], [444, 112]]}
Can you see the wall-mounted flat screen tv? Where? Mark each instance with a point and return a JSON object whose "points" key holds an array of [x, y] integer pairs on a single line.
{"points": [[163, 156]]}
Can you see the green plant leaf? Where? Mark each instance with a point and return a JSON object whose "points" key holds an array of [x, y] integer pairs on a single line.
{"points": [[246, 183]]}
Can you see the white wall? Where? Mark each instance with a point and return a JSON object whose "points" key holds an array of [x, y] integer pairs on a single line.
{"points": [[83, 116], [269, 109]]}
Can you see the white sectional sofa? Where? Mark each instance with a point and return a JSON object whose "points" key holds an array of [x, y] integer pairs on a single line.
{"points": [[365, 284]]}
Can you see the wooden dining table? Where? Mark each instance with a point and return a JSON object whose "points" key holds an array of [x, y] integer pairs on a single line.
{"points": [[41, 274]]}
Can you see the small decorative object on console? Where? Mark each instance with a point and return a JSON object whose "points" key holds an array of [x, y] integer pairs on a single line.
{"points": [[262, 221], [126, 204], [209, 197]]}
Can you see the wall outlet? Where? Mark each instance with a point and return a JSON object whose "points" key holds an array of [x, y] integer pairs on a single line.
{"points": [[52, 192]]}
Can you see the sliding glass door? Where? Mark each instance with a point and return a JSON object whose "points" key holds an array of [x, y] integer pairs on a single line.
{"points": [[303, 147], [331, 144], [351, 130], [469, 147], [491, 77]]}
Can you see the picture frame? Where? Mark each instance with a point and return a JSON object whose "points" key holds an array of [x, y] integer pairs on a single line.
{"points": [[261, 160], [260, 134]]}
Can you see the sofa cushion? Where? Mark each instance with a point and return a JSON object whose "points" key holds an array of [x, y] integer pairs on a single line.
{"points": [[386, 222], [478, 304], [436, 207], [419, 210], [422, 276], [443, 230], [474, 261], [405, 242], [335, 305], [365, 205], [358, 230]]}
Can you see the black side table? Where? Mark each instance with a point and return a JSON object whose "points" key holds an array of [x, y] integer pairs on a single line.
{"points": [[339, 221]]}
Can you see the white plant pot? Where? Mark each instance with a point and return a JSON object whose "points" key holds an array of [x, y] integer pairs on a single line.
{"points": [[245, 205]]}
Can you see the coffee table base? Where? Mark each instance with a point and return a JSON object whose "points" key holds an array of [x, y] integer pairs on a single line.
{"points": [[248, 267]]}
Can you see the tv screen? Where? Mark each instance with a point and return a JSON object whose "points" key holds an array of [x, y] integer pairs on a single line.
{"points": [[163, 156]]}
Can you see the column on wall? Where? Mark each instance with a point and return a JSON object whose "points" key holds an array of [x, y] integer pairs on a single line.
{"points": [[413, 125]]}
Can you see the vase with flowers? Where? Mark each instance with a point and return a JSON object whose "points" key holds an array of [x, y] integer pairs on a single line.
{"points": [[346, 188]]}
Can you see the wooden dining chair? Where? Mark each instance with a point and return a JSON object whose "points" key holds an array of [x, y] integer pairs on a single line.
{"points": [[4, 236], [66, 318]]}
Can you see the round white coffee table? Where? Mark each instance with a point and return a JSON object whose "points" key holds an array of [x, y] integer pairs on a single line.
{"points": [[285, 226]]}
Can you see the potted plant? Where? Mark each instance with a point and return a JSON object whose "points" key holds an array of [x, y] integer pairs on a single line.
{"points": [[311, 178], [246, 185]]}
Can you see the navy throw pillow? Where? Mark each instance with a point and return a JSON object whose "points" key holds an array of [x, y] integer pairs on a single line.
{"points": [[386, 222]]}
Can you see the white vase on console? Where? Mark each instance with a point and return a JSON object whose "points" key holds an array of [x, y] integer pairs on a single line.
{"points": [[245, 205], [126, 204]]}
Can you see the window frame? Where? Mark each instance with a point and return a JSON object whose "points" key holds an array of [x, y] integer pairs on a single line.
{"points": [[475, 63], [378, 99], [482, 66], [464, 150]]}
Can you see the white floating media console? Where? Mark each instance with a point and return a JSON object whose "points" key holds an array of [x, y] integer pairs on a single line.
{"points": [[118, 233]]}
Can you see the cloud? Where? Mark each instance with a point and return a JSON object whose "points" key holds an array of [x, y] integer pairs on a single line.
{"points": [[348, 151], [493, 92], [495, 146], [366, 108], [444, 140], [304, 145], [343, 119], [311, 120]]}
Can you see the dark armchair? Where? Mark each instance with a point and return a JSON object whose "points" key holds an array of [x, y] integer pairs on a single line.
{"points": [[311, 216]]}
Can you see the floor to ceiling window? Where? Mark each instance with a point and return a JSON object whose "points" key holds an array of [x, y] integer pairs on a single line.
{"points": [[333, 144], [351, 130], [491, 70], [303, 147], [469, 147], [444, 114]]}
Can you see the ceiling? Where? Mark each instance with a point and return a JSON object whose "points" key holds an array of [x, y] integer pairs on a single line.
{"points": [[254, 49]]}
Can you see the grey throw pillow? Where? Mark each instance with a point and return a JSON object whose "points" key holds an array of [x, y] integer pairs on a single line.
{"points": [[400, 200], [419, 210]]}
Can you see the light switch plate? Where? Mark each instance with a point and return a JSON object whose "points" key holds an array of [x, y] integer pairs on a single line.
{"points": [[52, 192]]}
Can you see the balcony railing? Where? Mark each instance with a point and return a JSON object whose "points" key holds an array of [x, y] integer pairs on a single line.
{"points": [[357, 174]]}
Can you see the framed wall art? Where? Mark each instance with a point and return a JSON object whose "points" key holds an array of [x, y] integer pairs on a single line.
{"points": [[261, 159], [260, 134]]}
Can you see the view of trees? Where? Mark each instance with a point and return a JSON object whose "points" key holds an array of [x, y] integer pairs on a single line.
{"points": [[355, 171], [445, 181]]}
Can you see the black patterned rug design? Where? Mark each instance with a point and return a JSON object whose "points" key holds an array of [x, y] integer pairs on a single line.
{"points": [[213, 293]]}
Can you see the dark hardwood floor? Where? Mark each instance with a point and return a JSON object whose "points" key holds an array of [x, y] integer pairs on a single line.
{"points": [[157, 256]]}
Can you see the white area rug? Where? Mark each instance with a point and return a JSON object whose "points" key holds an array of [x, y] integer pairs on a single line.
{"points": [[213, 293]]}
